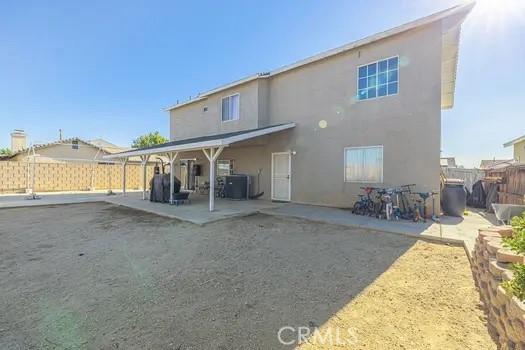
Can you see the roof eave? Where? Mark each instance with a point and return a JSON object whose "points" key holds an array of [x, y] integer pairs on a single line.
{"points": [[196, 99], [451, 31], [515, 141]]}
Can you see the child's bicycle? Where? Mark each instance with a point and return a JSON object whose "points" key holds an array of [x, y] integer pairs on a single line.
{"points": [[402, 202], [365, 204], [385, 208]]}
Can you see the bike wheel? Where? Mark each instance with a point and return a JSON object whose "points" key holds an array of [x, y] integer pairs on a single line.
{"points": [[370, 209], [377, 210], [357, 208]]}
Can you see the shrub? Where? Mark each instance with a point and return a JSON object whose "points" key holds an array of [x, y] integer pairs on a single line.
{"points": [[516, 286], [5, 152], [517, 242], [518, 223], [150, 139]]}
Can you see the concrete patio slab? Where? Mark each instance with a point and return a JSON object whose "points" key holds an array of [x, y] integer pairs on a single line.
{"points": [[450, 229], [56, 198], [198, 211]]}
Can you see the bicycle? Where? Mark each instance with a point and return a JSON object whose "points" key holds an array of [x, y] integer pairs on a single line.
{"points": [[365, 205], [418, 213], [404, 197], [385, 207]]}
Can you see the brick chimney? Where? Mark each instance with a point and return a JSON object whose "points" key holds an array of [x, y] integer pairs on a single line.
{"points": [[18, 140]]}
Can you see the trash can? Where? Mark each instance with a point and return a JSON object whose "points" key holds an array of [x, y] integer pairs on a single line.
{"points": [[454, 197]]}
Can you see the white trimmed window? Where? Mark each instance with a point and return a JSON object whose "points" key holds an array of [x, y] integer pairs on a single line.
{"points": [[364, 164], [378, 79], [224, 167], [230, 108]]}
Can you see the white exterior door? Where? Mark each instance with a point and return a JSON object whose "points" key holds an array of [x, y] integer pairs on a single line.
{"points": [[281, 176]]}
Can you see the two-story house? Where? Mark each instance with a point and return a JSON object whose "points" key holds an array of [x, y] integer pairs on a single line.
{"points": [[317, 130]]}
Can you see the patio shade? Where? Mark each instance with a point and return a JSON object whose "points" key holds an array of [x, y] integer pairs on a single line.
{"points": [[211, 146], [203, 142]]}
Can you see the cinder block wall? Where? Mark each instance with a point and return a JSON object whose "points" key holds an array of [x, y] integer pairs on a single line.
{"points": [[13, 176], [491, 265], [48, 177]]}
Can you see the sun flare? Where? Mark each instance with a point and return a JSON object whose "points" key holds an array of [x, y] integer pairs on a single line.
{"points": [[498, 14]]}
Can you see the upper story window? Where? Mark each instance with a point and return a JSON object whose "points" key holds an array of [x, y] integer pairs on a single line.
{"points": [[378, 79], [230, 108], [74, 144]]}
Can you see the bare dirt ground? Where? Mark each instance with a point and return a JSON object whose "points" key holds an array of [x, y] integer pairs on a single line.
{"points": [[96, 276], [426, 300]]}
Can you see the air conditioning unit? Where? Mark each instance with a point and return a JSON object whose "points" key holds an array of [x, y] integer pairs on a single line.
{"points": [[237, 187]]}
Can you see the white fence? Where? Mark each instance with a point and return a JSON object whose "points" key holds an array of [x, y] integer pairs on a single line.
{"points": [[470, 176]]}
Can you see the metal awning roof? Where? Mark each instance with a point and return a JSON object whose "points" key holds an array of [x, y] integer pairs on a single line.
{"points": [[198, 143]]}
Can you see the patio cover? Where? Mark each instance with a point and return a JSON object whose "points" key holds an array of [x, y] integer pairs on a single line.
{"points": [[211, 145]]}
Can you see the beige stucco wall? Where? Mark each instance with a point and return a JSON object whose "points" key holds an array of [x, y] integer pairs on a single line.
{"points": [[408, 125], [519, 151], [192, 121], [247, 160], [263, 90]]}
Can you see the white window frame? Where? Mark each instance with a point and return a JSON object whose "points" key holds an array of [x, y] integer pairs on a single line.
{"points": [[387, 95], [231, 164], [363, 147], [239, 109]]}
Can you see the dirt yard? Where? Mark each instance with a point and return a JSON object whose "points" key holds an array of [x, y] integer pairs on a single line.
{"points": [[426, 300], [97, 276]]}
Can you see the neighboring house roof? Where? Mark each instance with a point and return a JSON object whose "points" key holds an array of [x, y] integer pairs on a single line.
{"points": [[49, 144], [513, 142], [451, 18], [108, 146], [495, 163], [104, 145], [195, 143]]}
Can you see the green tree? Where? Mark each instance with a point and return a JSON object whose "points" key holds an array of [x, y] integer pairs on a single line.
{"points": [[5, 152], [150, 139]]}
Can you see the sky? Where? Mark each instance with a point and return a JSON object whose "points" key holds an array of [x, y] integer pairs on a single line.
{"points": [[109, 68]]}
